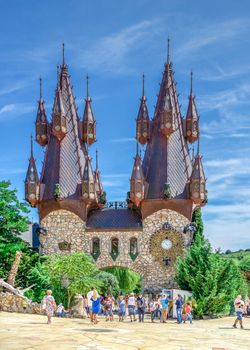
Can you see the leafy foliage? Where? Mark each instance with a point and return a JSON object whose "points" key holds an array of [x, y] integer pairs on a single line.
{"points": [[109, 283], [214, 281], [71, 274], [129, 281], [13, 221]]}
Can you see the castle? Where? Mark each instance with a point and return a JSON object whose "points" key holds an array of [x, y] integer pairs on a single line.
{"points": [[148, 231]]}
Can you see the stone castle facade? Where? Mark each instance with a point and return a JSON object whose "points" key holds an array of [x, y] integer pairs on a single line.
{"points": [[153, 227]]}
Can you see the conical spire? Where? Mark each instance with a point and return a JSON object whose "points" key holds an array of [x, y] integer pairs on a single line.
{"points": [[32, 179], [137, 185], [88, 121], [143, 121], [41, 121], [97, 177], [165, 100], [192, 125], [88, 181], [197, 180], [59, 127]]}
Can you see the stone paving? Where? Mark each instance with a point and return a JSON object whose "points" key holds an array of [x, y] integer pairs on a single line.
{"points": [[27, 332]]}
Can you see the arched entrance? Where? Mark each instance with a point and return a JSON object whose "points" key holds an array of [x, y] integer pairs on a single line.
{"points": [[129, 280]]}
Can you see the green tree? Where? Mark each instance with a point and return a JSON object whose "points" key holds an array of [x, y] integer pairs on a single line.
{"points": [[129, 281], [13, 221], [71, 274], [214, 281], [109, 283]]}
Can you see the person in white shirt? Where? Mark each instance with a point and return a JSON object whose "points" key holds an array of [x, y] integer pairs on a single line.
{"points": [[239, 308], [131, 307]]}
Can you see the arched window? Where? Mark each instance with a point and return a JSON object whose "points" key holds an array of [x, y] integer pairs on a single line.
{"points": [[114, 245], [114, 251], [96, 251], [133, 248], [133, 245]]}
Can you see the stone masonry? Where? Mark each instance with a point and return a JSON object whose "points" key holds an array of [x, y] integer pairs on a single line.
{"points": [[64, 226]]}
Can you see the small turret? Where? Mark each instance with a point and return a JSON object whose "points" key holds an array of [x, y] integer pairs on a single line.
{"points": [[41, 121], [143, 121], [198, 191], [97, 177], [32, 180], [88, 181], [167, 120], [59, 125], [137, 183], [192, 119], [88, 121]]}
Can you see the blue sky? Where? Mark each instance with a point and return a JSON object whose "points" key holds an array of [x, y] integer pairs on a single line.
{"points": [[115, 42]]}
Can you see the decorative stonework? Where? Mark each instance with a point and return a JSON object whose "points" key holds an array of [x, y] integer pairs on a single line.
{"points": [[64, 226], [13, 303]]}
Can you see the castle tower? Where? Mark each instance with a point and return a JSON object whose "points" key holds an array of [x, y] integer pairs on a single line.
{"points": [[66, 157]]}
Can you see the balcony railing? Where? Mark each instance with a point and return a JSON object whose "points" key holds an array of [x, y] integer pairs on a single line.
{"points": [[116, 205]]}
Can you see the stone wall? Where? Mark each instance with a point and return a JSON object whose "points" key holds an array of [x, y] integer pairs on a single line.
{"points": [[64, 226], [13, 303]]}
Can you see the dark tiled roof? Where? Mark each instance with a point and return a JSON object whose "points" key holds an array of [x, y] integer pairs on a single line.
{"points": [[65, 161], [114, 218], [167, 160]]}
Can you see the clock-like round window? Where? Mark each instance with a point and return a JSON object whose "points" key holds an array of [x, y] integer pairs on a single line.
{"points": [[166, 244]]}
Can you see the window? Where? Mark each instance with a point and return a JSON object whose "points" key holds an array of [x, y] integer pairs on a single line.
{"points": [[133, 248], [96, 251], [114, 246]]}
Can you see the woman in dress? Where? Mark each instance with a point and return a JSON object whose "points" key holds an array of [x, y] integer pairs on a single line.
{"points": [[96, 305], [49, 305]]}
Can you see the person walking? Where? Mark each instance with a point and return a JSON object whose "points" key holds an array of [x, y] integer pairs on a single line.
{"points": [[164, 305], [188, 310], [179, 306], [131, 307], [239, 308], [158, 309], [96, 306], [109, 302], [152, 309], [141, 306], [121, 308], [49, 305]]}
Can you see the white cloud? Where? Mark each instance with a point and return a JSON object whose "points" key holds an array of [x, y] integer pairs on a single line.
{"points": [[211, 34], [109, 53], [15, 109]]}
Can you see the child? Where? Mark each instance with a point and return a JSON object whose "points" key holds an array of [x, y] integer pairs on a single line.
{"points": [[188, 309], [60, 310], [96, 305], [152, 308], [121, 308], [49, 305]]}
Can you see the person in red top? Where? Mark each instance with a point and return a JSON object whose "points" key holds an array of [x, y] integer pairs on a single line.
{"points": [[188, 310]]}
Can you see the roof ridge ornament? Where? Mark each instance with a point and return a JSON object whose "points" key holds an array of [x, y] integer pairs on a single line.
{"points": [[41, 94], [63, 54]]}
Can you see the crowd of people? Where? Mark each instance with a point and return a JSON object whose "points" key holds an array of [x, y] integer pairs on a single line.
{"points": [[135, 307]]}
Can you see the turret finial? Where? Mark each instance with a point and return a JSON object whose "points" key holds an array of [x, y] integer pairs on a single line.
{"points": [[40, 79], [168, 58], [96, 162], [63, 54], [87, 82], [31, 146], [191, 82], [143, 83]]}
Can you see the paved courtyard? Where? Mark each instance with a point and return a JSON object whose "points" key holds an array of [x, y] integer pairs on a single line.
{"points": [[19, 332]]}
